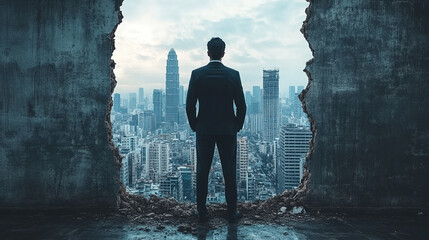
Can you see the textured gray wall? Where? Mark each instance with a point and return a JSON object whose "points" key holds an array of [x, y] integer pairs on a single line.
{"points": [[55, 88], [369, 99]]}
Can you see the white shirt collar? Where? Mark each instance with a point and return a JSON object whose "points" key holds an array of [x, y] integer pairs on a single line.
{"points": [[219, 61]]}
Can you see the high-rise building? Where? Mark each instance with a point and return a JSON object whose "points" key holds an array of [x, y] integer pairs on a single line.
{"points": [[141, 120], [186, 173], [172, 88], [141, 96], [254, 123], [134, 164], [181, 95], [148, 121], [255, 105], [249, 99], [300, 88], [291, 93], [133, 101], [157, 106], [293, 147], [257, 100], [242, 158], [193, 162], [129, 142], [296, 107], [117, 102], [157, 160], [171, 185], [124, 172], [271, 104]]}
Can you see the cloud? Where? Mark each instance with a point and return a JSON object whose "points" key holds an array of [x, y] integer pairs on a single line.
{"points": [[259, 34]]}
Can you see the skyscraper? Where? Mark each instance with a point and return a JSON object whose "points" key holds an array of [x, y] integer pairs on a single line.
{"points": [[257, 100], [291, 93], [157, 106], [157, 160], [293, 146], [186, 172], [141, 96], [133, 101], [271, 104], [117, 102], [242, 158], [181, 95], [172, 88], [249, 99]]}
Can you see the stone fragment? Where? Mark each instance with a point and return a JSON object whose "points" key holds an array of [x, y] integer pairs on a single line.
{"points": [[297, 210]]}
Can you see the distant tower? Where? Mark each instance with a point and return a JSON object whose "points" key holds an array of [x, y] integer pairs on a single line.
{"points": [[157, 106], [141, 96], [257, 100], [132, 101], [249, 99], [271, 105], [117, 102], [172, 88], [291, 93]]}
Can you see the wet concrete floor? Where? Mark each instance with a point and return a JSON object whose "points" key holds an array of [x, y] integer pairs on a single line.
{"points": [[42, 226]]}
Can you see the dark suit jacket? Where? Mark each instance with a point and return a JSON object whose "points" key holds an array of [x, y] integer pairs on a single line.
{"points": [[217, 88]]}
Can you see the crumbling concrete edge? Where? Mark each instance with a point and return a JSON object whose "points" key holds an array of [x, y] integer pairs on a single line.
{"points": [[307, 173], [108, 123]]}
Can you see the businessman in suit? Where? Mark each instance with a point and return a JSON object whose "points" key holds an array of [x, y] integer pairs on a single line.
{"points": [[216, 88]]}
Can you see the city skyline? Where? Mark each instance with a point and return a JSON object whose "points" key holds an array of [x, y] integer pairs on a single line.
{"points": [[259, 35], [160, 158]]}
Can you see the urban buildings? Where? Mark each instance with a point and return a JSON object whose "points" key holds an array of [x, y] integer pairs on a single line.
{"points": [[141, 96], [157, 160], [117, 102], [157, 106], [132, 101], [293, 147], [159, 152], [271, 104], [172, 88], [241, 159], [256, 104]]}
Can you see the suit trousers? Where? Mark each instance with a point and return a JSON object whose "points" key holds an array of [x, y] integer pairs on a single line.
{"points": [[227, 147]]}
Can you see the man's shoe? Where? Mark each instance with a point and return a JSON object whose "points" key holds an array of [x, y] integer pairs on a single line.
{"points": [[234, 217]]}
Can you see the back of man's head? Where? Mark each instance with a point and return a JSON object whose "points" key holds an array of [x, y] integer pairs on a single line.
{"points": [[216, 48]]}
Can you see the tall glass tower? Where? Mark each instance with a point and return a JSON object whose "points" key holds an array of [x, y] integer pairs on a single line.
{"points": [[172, 88], [271, 105], [157, 106]]}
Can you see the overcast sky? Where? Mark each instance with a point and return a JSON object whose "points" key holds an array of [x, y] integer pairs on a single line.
{"points": [[259, 34]]}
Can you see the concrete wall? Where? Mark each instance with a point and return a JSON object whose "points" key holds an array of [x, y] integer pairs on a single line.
{"points": [[369, 99], [55, 89]]}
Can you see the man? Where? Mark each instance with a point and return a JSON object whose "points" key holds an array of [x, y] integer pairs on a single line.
{"points": [[217, 88]]}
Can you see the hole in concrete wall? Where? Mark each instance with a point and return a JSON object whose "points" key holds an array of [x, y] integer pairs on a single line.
{"points": [[143, 43]]}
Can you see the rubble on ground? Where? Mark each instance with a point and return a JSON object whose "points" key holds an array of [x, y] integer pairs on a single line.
{"points": [[289, 204]]}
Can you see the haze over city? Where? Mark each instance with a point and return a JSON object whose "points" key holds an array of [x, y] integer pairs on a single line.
{"points": [[258, 34]]}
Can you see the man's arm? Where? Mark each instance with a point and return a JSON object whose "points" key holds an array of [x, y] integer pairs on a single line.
{"points": [[191, 101], [240, 103]]}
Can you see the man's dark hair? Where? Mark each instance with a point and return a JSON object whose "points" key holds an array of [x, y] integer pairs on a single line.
{"points": [[216, 48]]}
